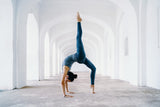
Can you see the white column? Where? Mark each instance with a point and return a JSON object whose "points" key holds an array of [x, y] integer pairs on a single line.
{"points": [[116, 54], [41, 58], [142, 43], [105, 52], [56, 59], [51, 58], [6, 45], [59, 62], [21, 49], [14, 43]]}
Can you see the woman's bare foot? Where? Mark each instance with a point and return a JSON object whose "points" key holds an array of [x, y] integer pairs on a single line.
{"points": [[92, 86], [78, 17], [71, 92]]}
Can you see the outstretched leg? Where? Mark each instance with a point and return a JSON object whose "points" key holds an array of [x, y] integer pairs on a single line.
{"points": [[80, 48]]}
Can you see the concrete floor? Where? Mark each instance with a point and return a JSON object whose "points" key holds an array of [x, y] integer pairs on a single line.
{"points": [[109, 93]]}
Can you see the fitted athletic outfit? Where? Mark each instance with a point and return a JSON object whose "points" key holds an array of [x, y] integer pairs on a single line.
{"points": [[80, 55]]}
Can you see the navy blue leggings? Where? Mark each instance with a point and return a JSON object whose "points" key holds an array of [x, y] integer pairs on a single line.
{"points": [[81, 56]]}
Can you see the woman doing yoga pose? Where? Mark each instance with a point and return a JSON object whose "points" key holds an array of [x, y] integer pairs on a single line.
{"points": [[79, 57]]}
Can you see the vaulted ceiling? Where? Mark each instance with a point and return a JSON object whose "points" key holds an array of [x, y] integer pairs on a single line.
{"points": [[58, 17]]}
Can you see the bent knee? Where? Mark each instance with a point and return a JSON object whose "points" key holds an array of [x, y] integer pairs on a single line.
{"points": [[94, 68]]}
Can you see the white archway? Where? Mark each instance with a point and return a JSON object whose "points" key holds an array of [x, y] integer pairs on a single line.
{"points": [[22, 9], [32, 48]]}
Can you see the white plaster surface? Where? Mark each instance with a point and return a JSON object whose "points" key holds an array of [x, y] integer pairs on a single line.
{"points": [[153, 50], [6, 42]]}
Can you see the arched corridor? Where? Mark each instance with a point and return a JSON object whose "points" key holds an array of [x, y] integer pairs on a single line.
{"points": [[121, 38]]}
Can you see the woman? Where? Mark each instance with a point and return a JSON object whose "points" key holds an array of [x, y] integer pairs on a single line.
{"points": [[79, 57]]}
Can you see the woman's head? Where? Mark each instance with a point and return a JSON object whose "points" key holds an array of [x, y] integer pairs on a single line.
{"points": [[71, 76]]}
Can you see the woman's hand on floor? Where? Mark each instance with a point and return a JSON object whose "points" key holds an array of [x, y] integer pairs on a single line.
{"points": [[68, 96]]}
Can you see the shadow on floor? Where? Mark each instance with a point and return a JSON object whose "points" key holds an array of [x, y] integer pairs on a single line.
{"points": [[2, 90], [29, 87]]}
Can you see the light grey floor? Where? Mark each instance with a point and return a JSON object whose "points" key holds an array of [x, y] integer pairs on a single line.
{"points": [[109, 93]]}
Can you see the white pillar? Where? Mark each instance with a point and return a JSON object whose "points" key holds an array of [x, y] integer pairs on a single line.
{"points": [[21, 49], [59, 62], [6, 45], [51, 58], [56, 59], [41, 57], [142, 43], [14, 43], [116, 54], [54, 62], [105, 58]]}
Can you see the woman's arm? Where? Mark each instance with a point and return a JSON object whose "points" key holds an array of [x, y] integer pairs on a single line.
{"points": [[66, 69], [66, 82]]}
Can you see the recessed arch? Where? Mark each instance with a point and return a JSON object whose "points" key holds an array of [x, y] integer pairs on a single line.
{"points": [[32, 48]]}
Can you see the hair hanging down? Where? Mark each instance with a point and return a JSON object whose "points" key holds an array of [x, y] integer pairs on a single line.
{"points": [[71, 76]]}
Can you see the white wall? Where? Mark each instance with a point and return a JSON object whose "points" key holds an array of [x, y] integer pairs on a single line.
{"points": [[128, 50], [109, 57], [6, 45], [153, 51]]}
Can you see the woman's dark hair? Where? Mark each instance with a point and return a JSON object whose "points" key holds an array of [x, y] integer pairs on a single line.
{"points": [[71, 76]]}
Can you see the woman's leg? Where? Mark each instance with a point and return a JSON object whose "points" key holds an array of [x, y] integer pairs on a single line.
{"points": [[80, 49], [90, 65]]}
